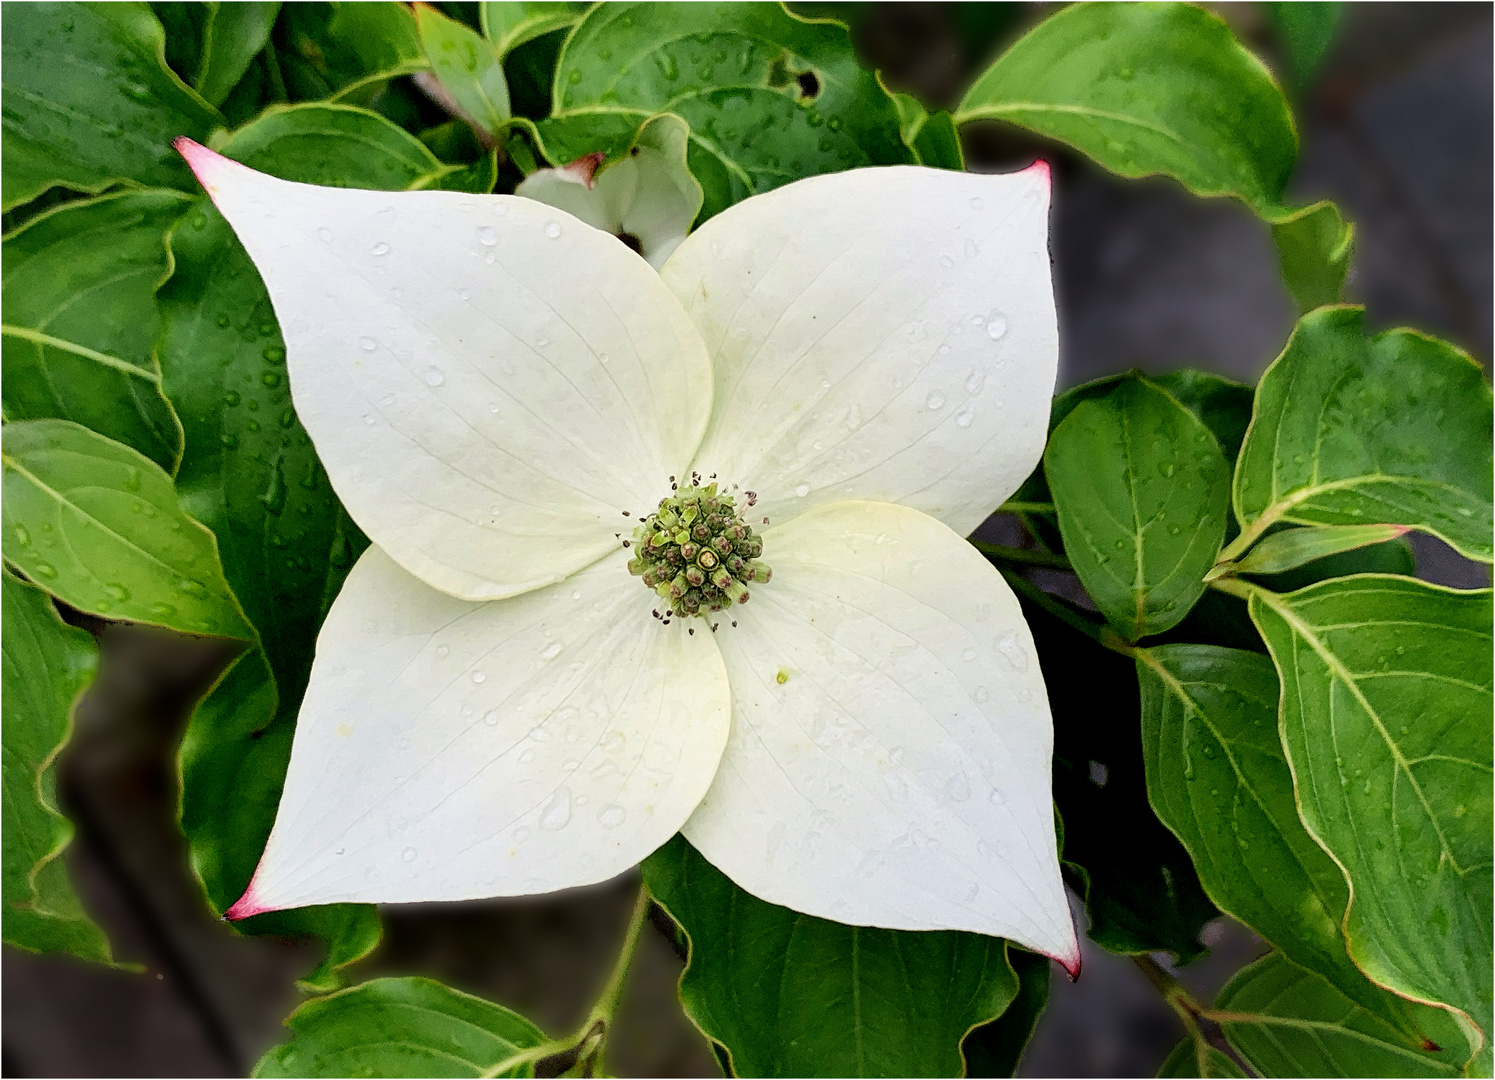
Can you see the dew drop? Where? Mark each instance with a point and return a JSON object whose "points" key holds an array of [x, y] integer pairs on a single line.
{"points": [[408, 855], [971, 250], [435, 376], [522, 833], [996, 798], [977, 203], [610, 817], [996, 325], [946, 261], [23, 536], [369, 419], [479, 677], [487, 235], [491, 718], [553, 229], [935, 400], [526, 757], [964, 417], [968, 655], [324, 234], [1012, 651], [551, 651], [367, 344], [802, 490], [46, 570], [378, 249], [557, 811], [538, 734], [958, 788]]}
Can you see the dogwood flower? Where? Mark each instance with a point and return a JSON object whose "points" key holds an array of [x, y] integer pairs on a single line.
{"points": [[647, 200], [511, 695]]}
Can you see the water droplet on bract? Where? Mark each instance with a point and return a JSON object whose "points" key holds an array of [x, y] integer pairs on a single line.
{"points": [[1012, 651], [378, 249], [612, 742], [944, 350], [491, 718], [935, 400], [538, 734], [435, 376], [897, 789], [479, 677], [541, 341], [996, 798], [487, 235], [977, 202], [975, 381], [946, 261], [968, 655], [854, 417], [802, 490], [557, 811], [958, 788], [408, 855], [526, 757], [367, 344], [325, 235], [551, 651], [610, 817], [370, 419], [970, 249], [996, 325], [553, 229], [964, 417], [980, 694]]}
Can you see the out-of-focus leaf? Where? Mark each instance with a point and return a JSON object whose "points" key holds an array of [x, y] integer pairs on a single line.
{"points": [[345, 51], [1195, 1057], [467, 67], [996, 1049], [235, 32], [1306, 28], [510, 25], [1314, 245]]}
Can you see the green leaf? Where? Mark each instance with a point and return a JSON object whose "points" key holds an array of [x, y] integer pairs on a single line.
{"points": [[1292, 548], [1141, 489], [1385, 717], [792, 995], [769, 97], [47, 666], [1222, 405], [235, 32], [80, 321], [1145, 89], [1217, 777], [1312, 457], [402, 1027], [509, 25], [1314, 245], [1306, 28], [1195, 1057], [1393, 557], [467, 66], [90, 102], [1139, 885], [100, 527], [346, 51], [1288, 1022], [931, 136], [996, 1048], [336, 146]]}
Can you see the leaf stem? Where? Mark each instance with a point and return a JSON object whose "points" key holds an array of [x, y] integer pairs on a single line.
{"points": [[1014, 506], [1099, 633], [1201, 1022], [1021, 556]]}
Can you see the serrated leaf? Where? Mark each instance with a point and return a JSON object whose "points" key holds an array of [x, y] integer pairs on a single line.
{"points": [[1195, 1057], [996, 1048], [1139, 885], [1314, 245], [100, 526], [1385, 717], [401, 1027], [510, 25], [1144, 89], [769, 97], [792, 995], [1217, 777], [234, 33], [47, 666], [89, 100], [468, 68], [1292, 548], [1287, 1022], [79, 321], [1141, 490], [1312, 458]]}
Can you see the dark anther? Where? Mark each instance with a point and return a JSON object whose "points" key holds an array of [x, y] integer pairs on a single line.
{"points": [[809, 85], [627, 544], [633, 152], [692, 631], [625, 513], [631, 242]]}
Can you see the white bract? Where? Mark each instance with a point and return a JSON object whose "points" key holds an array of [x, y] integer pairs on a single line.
{"points": [[494, 710], [648, 199]]}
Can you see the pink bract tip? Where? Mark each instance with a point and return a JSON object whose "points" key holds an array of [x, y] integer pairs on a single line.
{"points": [[585, 168], [246, 906], [1041, 169]]}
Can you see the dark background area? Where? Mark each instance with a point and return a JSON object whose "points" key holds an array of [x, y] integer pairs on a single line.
{"points": [[1396, 128]]}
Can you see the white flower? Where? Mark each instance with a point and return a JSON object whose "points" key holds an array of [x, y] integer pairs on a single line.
{"points": [[647, 200], [494, 710]]}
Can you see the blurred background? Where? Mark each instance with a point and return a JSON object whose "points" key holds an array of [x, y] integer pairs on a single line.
{"points": [[1396, 127]]}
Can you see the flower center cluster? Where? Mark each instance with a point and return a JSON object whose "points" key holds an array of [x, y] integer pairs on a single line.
{"points": [[697, 551]]}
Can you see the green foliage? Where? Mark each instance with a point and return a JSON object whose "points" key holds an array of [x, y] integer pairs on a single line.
{"points": [[1314, 245], [1195, 1057], [402, 1027], [347, 52], [468, 68], [232, 35], [89, 100], [102, 528], [791, 995], [1293, 548], [1306, 28], [769, 97], [48, 664], [79, 323], [1141, 487], [511, 24], [1311, 457]]}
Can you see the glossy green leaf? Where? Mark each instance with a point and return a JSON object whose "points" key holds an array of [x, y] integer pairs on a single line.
{"points": [[1140, 888], [1223, 405], [996, 1048], [792, 995], [1217, 777], [100, 527], [1288, 1022], [1386, 705], [1306, 28], [402, 1027], [1314, 246], [336, 146], [89, 100], [1144, 89], [769, 97], [79, 321], [931, 136], [346, 51], [1141, 489], [510, 25], [47, 666], [1392, 557], [468, 68], [234, 33], [1292, 548], [1195, 1057], [1312, 456]]}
